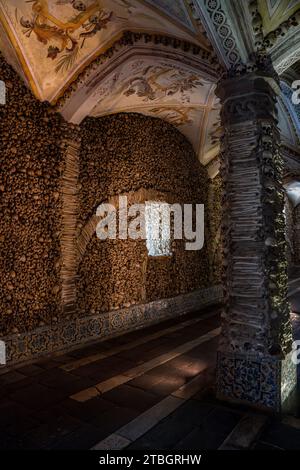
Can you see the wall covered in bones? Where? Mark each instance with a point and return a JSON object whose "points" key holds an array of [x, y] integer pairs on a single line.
{"points": [[143, 157], [124, 154], [30, 168], [214, 206]]}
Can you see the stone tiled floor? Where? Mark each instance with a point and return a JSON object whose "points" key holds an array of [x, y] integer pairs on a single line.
{"points": [[37, 409], [196, 424], [150, 389]]}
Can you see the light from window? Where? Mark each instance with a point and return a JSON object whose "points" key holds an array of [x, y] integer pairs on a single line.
{"points": [[157, 221]]}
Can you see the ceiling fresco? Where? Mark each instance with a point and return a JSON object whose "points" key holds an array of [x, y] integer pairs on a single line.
{"points": [[167, 90], [275, 12], [178, 10], [98, 57]]}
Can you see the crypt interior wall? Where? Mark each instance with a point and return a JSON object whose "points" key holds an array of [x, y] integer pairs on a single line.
{"points": [[214, 210], [130, 154], [120, 154]]}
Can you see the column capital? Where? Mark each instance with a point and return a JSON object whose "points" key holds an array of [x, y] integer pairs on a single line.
{"points": [[259, 63], [248, 91]]}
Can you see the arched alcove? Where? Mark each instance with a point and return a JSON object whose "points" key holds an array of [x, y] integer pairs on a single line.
{"points": [[143, 158]]}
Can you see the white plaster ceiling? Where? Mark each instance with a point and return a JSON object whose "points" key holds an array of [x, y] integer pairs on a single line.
{"points": [[168, 90]]}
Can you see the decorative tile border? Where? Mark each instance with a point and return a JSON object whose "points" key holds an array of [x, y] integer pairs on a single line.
{"points": [[262, 381], [83, 330]]}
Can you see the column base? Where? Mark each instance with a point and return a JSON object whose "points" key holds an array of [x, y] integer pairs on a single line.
{"points": [[260, 382]]}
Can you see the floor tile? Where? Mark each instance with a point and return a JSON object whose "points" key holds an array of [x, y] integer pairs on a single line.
{"points": [[131, 397]]}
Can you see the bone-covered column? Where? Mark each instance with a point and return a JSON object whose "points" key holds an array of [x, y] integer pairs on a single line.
{"points": [[254, 357]]}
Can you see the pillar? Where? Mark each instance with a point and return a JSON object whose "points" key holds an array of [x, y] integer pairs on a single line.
{"points": [[69, 216], [254, 363]]}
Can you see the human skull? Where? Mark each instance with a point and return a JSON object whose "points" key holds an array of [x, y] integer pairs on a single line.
{"points": [[79, 5]]}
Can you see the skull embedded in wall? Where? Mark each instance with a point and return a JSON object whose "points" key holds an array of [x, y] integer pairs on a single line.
{"points": [[93, 19], [79, 5]]}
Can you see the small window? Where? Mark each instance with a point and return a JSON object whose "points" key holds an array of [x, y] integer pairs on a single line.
{"points": [[157, 221]]}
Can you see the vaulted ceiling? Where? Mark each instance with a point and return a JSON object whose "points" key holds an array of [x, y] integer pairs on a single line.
{"points": [[156, 57], [54, 39]]}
